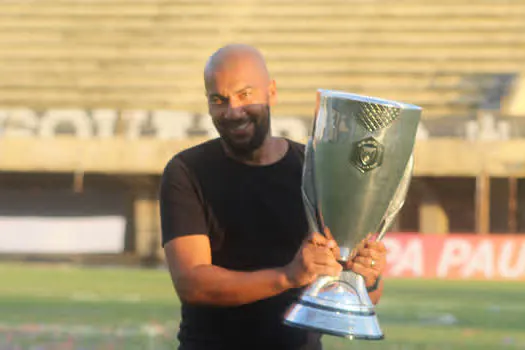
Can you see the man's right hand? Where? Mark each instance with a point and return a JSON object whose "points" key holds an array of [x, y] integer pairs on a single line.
{"points": [[314, 258]]}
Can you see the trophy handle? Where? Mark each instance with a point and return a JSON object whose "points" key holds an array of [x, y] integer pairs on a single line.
{"points": [[310, 199], [315, 222], [398, 200]]}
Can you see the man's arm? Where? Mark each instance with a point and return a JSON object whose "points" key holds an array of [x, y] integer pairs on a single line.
{"points": [[197, 281], [187, 248], [375, 296]]}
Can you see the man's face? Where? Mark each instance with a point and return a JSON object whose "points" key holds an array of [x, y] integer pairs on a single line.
{"points": [[239, 103]]}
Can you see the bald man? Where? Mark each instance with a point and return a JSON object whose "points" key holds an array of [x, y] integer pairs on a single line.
{"points": [[234, 230]]}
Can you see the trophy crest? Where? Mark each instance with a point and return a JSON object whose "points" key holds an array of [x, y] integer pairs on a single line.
{"points": [[368, 154]]}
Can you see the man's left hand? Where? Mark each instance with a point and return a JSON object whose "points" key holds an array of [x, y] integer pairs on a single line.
{"points": [[370, 261]]}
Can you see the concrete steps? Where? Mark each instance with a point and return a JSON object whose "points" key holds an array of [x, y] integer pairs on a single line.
{"points": [[150, 54]]}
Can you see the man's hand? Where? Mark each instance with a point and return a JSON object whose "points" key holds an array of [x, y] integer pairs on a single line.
{"points": [[315, 257], [370, 261]]}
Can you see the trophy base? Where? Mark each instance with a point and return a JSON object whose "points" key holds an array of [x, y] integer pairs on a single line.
{"points": [[338, 324], [338, 307]]}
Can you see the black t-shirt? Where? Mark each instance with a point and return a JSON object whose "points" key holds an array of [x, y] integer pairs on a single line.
{"points": [[255, 219]]}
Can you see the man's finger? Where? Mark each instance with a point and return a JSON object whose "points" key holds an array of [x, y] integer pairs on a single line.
{"points": [[368, 262], [370, 275], [331, 243], [347, 265], [361, 270], [317, 239], [376, 245], [323, 256], [328, 233], [372, 253], [365, 261], [331, 270]]}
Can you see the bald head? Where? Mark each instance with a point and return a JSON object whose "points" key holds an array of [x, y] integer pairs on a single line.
{"points": [[237, 59]]}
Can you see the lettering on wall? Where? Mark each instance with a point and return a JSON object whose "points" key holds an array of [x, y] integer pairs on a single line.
{"points": [[106, 123], [456, 256]]}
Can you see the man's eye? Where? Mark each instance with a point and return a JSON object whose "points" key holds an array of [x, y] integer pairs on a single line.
{"points": [[245, 94], [216, 101]]}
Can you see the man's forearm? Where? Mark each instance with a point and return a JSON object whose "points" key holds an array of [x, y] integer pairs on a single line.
{"points": [[376, 294], [213, 285]]}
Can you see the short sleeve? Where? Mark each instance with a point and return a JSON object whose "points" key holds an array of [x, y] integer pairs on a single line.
{"points": [[181, 206]]}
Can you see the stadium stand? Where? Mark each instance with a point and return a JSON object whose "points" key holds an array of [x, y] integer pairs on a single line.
{"points": [[461, 60], [149, 54]]}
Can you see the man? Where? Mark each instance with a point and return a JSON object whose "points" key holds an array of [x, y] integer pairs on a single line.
{"points": [[233, 224]]}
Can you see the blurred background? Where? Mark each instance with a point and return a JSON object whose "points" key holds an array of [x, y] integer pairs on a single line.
{"points": [[97, 95]]}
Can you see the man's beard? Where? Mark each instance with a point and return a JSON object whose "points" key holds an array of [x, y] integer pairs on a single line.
{"points": [[261, 126]]}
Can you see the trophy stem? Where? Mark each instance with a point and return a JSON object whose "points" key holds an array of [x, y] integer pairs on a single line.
{"points": [[344, 254], [337, 306]]}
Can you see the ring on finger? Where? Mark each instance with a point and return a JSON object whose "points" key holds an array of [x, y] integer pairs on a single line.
{"points": [[373, 263]]}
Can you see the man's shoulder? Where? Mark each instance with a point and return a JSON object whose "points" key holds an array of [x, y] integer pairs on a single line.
{"points": [[297, 144], [200, 151], [297, 147], [195, 155]]}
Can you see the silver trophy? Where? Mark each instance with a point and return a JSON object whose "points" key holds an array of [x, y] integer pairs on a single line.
{"points": [[357, 170]]}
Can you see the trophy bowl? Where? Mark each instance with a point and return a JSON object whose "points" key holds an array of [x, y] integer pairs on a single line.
{"points": [[357, 170]]}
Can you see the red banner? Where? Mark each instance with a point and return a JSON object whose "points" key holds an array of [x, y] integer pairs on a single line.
{"points": [[456, 256]]}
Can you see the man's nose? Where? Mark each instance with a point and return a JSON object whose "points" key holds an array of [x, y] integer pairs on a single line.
{"points": [[235, 110]]}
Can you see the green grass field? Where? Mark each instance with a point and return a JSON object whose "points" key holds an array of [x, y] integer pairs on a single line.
{"points": [[63, 307]]}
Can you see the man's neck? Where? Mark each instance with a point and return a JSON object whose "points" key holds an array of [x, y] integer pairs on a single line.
{"points": [[271, 151]]}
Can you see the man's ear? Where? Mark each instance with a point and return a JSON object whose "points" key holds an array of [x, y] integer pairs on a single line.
{"points": [[272, 93]]}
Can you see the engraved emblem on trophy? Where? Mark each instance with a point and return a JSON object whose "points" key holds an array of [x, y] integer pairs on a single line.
{"points": [[368, 154], [357, 170]]}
